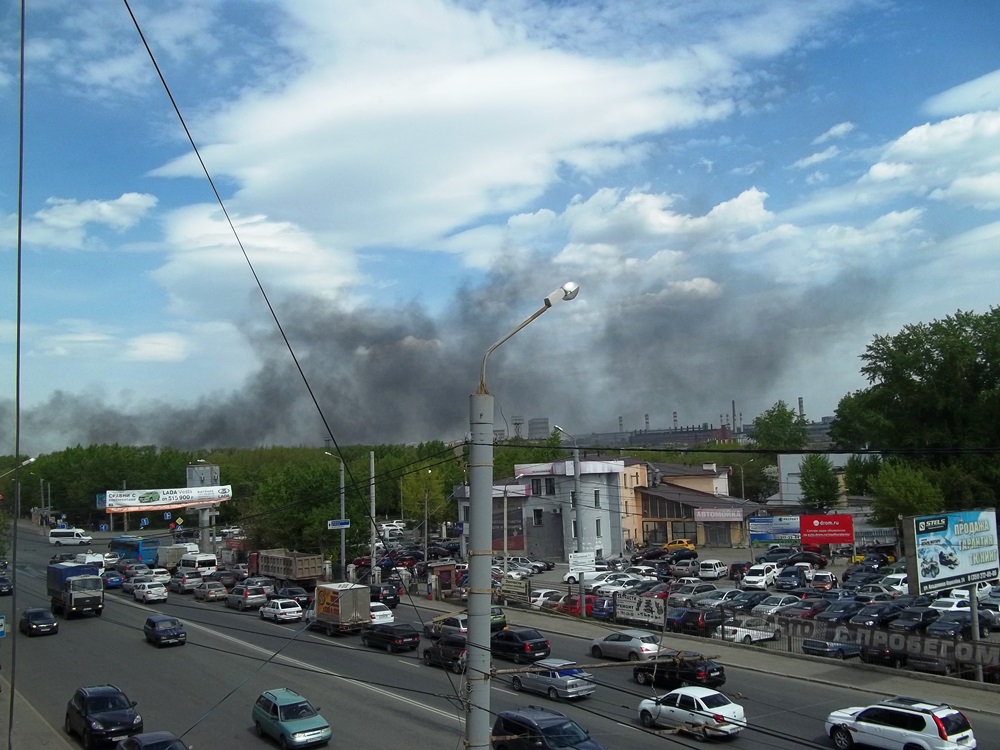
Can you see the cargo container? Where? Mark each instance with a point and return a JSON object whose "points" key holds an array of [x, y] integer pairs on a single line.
{"points": [[339, 608]]}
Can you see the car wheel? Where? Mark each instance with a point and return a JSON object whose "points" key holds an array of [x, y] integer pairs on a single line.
{"points": [[88, 741], [364, 641], [596, 652], [633, 656], [842, 738], [553, 694], [516, 684], [427, 658], [517, 658], [389, 648], [839, 654], [261, 613], [571, 581], [458, 667], [240, 606], [646, 718], [283, 742], [67, 726], [642, 678], [747, 640]]}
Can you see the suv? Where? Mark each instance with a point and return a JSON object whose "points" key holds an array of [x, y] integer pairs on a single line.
{"points": [[449, 652], [101, 714], [760, 576], [289, 719], [163, 629], [185, 581], [701, 622], [246, 597], [792, 577], [385, 593], [535, 727], [674, 669], [776, 554], [901, 722]]}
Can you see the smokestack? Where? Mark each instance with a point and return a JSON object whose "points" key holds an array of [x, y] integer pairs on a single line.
{"points": [[802, 411], [621, 424], [734, 414], [675, 421], [647, 423]]}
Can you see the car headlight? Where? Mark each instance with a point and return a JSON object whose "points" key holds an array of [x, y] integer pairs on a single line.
{"points": [[95, 724], [137, 720]]}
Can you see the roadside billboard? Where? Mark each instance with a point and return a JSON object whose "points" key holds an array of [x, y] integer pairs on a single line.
{"points": [[830, 529], [774, 529], [948, 550], [125, 501]]}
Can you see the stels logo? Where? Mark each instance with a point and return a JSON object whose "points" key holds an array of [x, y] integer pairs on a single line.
{"points": [[932, 525]]}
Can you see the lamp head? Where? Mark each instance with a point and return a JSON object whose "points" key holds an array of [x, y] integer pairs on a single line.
{"points": [[566, 292]]}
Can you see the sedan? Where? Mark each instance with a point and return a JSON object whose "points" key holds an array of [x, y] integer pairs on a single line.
{"points": [[747, 600], [129, 584], [773, 603], [616, 587], [717, 598], [297, 593], [703, 712], [152, 741], [747, 630], [150, 592], [876, 615], [841, 611], [281, 610], [38, 621], [210, 591], [112, 579], [806, 608], [686, 596], [160, 575], [380, 614], [519, 644], [632, 645], [814, 559], [556, 678]]}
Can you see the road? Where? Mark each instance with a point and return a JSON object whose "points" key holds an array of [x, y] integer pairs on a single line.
{"points": [[372, 699]]}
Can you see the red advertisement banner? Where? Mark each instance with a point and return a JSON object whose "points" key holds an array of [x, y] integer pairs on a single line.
{"points": [[838, 529]]}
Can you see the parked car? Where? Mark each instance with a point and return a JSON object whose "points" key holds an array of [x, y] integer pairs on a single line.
{"points": [[824, 580], [633, 645], [712, 570], [547, 729], [804, 608], [775, 554], [957, 624], [556, 678], [759, 576], [746, 601], [913, 723], [570, 605], [706, 713], [678, 668], [281, 610], [539, 596], [603, 609], [747, 630], [773, 603], [838, 649], [391, 636], [816, 560], [717, 598], [676, 544], [840, 611], [877, 615], [789, 578], [289, 719], [738, 570], [449, 652], [688, 567], [210, 591], [686, 596], [162, 630], [100, 713], [38, 621], [914, 619], [702, 622]]}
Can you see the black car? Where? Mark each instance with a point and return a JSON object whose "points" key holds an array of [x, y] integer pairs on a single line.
{"points": [[101, 714], [62, 557], [449, 652], [701, 622], [738, 569], [681, 554], [227, 578], [914, 619], [541, 729], [877, 615], [297, 593], [814, 559], [883, 654], [840, 611], [913, 600], [675, 669], [391, 636], [776, 554], [161, 630], [385, 593], [653, 553], [152, 741], [746, 601], [6, 585], [38, 621], [519, 644], [958, 625]]}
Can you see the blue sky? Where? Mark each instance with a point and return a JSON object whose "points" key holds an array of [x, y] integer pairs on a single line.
{"points": [[746, 193]]}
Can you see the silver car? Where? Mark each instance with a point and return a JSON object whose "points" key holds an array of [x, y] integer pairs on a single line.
{"points": [[634, 645], [556, 678], [686, 596]]}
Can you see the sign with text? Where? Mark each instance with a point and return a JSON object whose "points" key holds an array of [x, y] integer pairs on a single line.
{"points": [[831, 529], [582, 561], [709, 515], [952, 549], [338, 523], [774, 528], [123, 501]]}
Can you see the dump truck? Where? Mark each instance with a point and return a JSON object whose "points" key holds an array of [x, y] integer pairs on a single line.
{"points": [[290, 568], [339, 608], [75, 588]]}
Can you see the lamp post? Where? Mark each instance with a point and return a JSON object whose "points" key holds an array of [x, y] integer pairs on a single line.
{"points": [[743, 497], [477, 725], [577, 517], [505, 532], [19, 466], [343, 532]]}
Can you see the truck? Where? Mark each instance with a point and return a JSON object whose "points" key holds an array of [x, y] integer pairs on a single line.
{"points": [[289, 568], [168, 557], [75, 588], [340, 608]]}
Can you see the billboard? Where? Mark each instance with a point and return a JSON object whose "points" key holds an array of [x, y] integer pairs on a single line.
{"points": [[710, 515], [124, 501], [830, 529], [952, 549], [774, 528]]}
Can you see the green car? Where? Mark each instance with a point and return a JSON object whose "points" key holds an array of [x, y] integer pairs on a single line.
{"points": [[498, 620], [289, 719]]}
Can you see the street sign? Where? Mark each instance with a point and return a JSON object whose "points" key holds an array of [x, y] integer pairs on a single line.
{"points": [[103, 527], [581, 561], [179, 521], [3, 626], [144, 522], [166, 515], [339, 523]]}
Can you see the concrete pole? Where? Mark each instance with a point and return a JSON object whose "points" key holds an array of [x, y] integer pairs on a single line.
{"points": [[371, 508], [478, 720], [343, 532], [578, 517]]}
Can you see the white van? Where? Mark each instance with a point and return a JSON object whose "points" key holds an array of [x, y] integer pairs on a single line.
{"points": [[90, 558], [204, 562], [59, 537], [712, 570]]}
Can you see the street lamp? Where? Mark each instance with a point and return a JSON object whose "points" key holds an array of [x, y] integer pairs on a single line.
{"points": [[19, 466], [505, 532], [577, 517], [343, 531], [477, 725]]}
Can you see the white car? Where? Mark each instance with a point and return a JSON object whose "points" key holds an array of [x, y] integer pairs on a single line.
{"points": [[983, 589], [642, 571], [282, 610], [621, 584], [760, 576], [898, 582], [899, 724], [150, 591], [703, 712], [161, 575], [381, 614], [539, 596], [807, 568], [111, 558], [950, 604], [747, 630], [575, 576]]}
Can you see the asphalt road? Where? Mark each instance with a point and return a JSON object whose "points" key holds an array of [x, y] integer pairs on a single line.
{"points": [[206, 688]]}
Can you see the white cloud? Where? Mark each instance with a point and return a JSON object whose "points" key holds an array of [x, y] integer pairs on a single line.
{"points": [[981, 93], [837, 131], [980, 191], [825, 155], [156, 347], [64, 222]]}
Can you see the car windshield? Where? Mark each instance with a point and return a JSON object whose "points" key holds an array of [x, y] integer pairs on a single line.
{"points": [[165, 745], [564, 734], [715, 700], [102, 703], [87, 584], [841, 606], [167, 624], [37, 615], [300, 710]]}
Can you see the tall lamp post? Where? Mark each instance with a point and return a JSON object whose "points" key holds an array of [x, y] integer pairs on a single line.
{"points": [[343, 532], [477, 725], [19, 466], [577, 504]]}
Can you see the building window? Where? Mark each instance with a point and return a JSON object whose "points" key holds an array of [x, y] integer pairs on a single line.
{"points": [[574, 529], [536, 516], [465, 513], [550, 486], [597, 498], [572, 499], [598, 528], [536, 486]]}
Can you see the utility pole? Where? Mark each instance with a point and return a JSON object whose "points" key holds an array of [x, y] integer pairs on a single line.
{"points": [[371, 511]]}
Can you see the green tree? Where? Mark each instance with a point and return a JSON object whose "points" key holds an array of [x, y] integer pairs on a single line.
{"points": [[902, 490], [780, 428], [858, 473], [819, 483]]}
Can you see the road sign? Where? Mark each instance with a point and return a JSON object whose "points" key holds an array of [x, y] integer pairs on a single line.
{"points": [[144, 522], [166, 515], [3, 626], [179, 521], [103, 527], [581, 561], [338, 523]]}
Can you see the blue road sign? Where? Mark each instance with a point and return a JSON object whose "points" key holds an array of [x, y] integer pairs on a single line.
{"points": [[144, 522], [166, 515], [103, 527], [338, 523], [3, 626]]}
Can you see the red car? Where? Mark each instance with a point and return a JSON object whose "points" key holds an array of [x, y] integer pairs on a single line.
{"points": [[572, 605]]}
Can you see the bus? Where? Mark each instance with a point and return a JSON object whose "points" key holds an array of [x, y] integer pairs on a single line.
{"points": [[136, 548]]}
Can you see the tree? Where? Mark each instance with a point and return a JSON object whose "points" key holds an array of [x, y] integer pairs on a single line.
{"points": [[859, 472], [780, 428], [819, 483], [902, 490]]}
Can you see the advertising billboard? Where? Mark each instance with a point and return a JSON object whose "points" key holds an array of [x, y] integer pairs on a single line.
{"points": [[948, 550], [832, 529], [774, 528], [126, 501]]}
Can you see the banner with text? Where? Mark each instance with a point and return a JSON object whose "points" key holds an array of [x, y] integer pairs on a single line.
{"points": [[833, 529], [125, 501]]}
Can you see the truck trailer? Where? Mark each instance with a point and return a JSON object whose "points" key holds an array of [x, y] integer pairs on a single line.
{"points": [[340, 608], [288, 568]]}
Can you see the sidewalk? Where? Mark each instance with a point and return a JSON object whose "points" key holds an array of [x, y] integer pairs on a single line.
{"points": [[879, 681]]}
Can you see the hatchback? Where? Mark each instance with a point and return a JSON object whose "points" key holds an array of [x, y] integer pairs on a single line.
{"points": [[556, 678], [210, 591], [633, 645], [38, 621], [380, 613], [289, 719]]}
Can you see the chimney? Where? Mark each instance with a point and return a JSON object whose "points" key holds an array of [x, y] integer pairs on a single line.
{"points": [[621, 424], [802, 411], [675, 421], [647, 423]]}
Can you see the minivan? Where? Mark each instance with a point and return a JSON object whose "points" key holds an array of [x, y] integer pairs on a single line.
{"points": [[203, 562], [60, 537], [711, 569]]}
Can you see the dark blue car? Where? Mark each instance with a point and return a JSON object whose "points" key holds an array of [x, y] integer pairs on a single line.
{"points": [[112, 579], [604, 609]]}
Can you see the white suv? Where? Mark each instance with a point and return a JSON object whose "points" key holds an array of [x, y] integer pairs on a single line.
{"points": [[760, 576], [901, 723]]}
